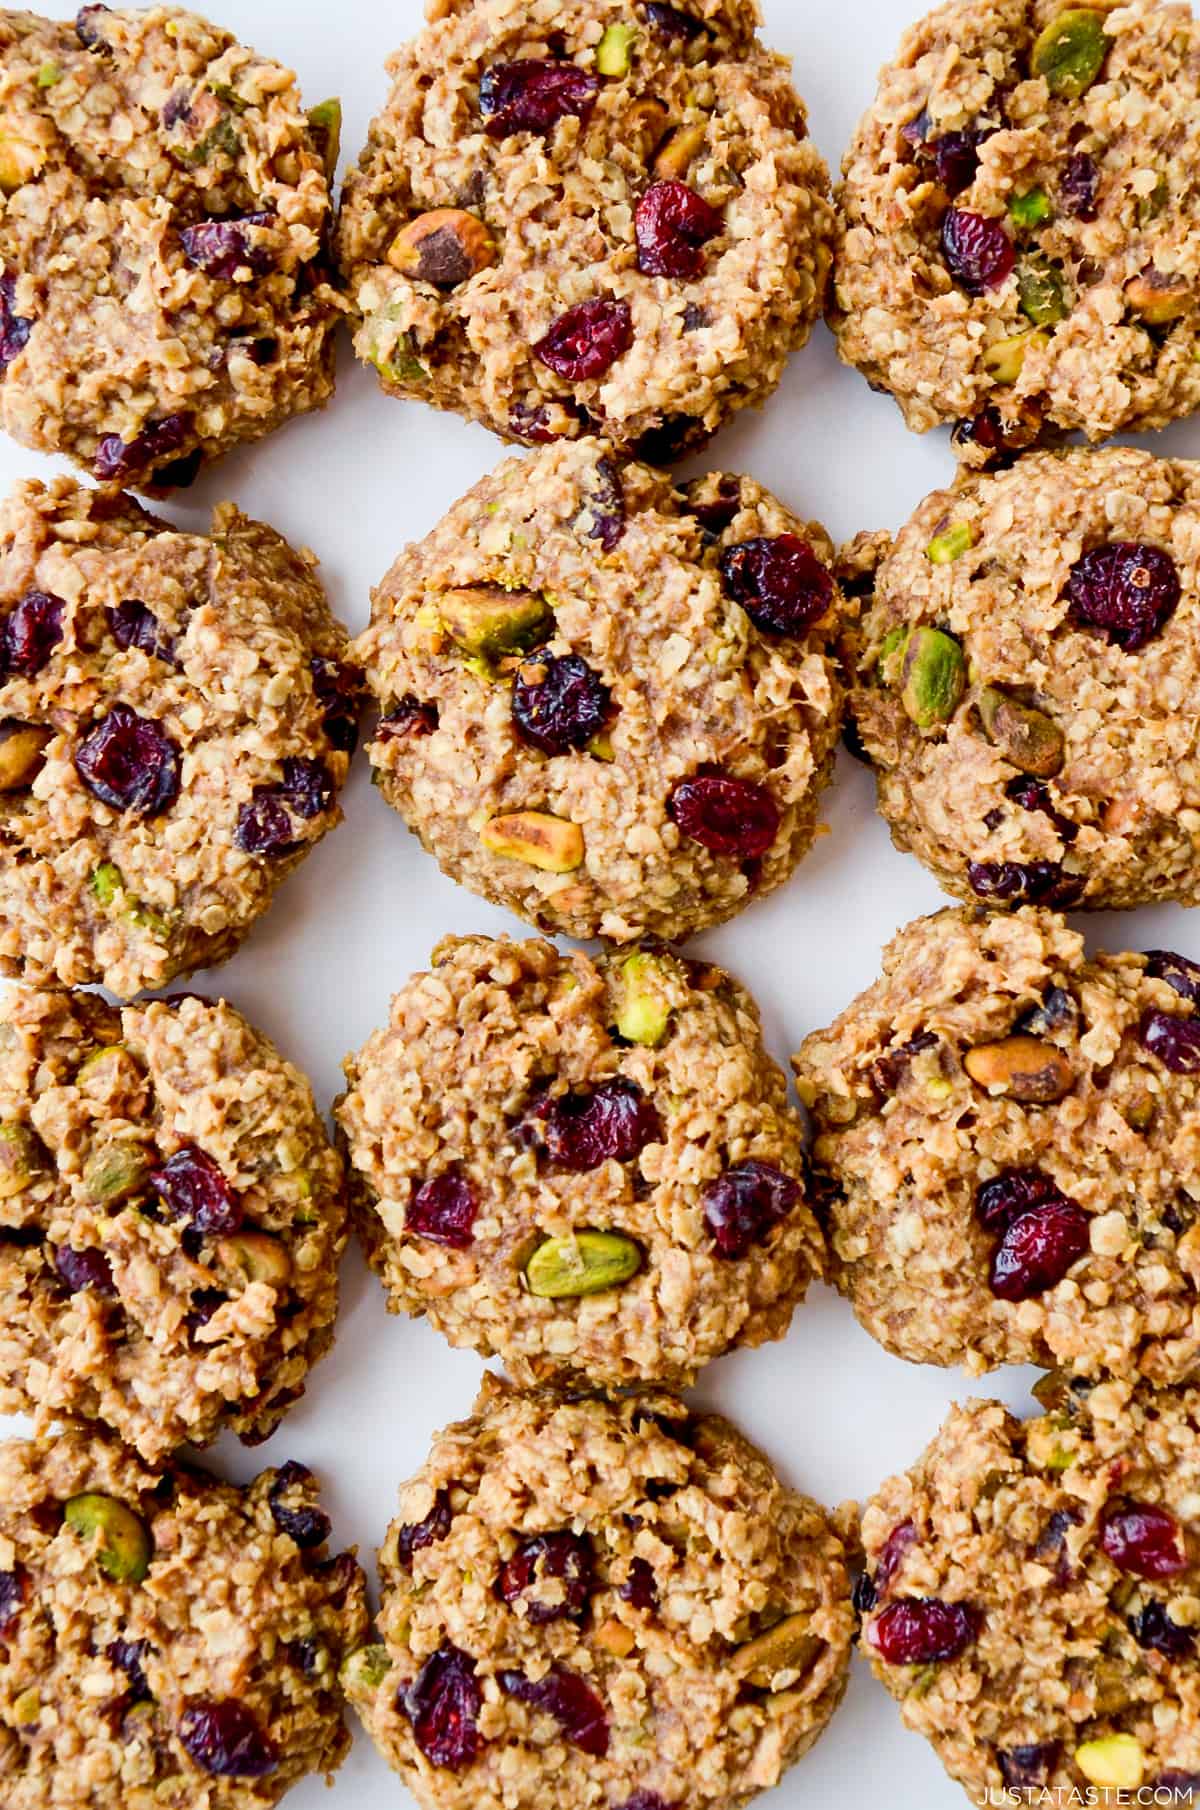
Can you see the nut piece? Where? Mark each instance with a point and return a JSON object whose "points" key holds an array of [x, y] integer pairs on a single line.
{"points": [[1022, 1067], [27, 1708], [115, 1172], [255, 1257], [585, 1263], [121, 1540], [489, 622], [644, 1012], [1041, 293], [445, 247], [787, 1647], [1070, 51], [646, 122], [1030, 209], [677, 154], [932, 677], [20, 162], [325, 124], [950, 545], [1117, 1761], [1004, 359], [22, 751], [18, 1159], [1157, 299], [1026, 737], [366, 1669], [536, 838], [612, 52]]}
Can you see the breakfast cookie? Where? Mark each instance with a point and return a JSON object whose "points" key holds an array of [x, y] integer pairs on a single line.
{"points": [[608, 704], [161, 287], [175, 722], [1007, 1149], [171, 1218], [1021, 222], [1032, 1596], [584, 1166], [1025, 681], [165, 1638], [599, 216], [590, 1604]]}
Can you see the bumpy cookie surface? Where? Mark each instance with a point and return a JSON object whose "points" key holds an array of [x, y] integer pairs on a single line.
{"points": [[171, 1216], [1025, 676], [605, 216], [589, 1604], [1006, 1133], [1033, 1595], [609, 704], [175, 721], [1021, 247], [581, 1166], [160, 297], [165, 1638]]}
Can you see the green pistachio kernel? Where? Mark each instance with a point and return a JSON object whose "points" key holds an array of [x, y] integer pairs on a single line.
{"points": [[1041, 293], [1115, 1762], [1025, 736], [1030, 209], [106, 882], [790, 1646], [612, 52], [932, 677], [325, 124], [49, 75], [365, 1669], [1070, 51], [643, 1011], [585, 1263], [891, 651], [115, 1171], [1152, 205], [1004, 359], [491, 623], [950, 545], [18, 1159], [121, 1540]]}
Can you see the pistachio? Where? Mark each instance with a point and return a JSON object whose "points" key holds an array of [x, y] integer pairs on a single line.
{"points": [[678, 152], [891, 650], [643, 1012], [1030, 209], [950, 544], [1004, 359], [121, 1540], [325, 124], [106, 882], [1024, 1068], [22, 751], [616, 1638], [932, 677], [1156, 298], [489, 622], [1070, 51], [535, 837], [115, 1171], [27, 1708], [585, 1263], [1152, 205], [20, 162], [19, 1160], [1115, 1761], [789, 1646], [646, 122], [1025, 736], [366, 1669], [1041, 293], [255, 1256], [446, 247], [49, 75], [391, 351], [1140, 1112], [612, 52]]}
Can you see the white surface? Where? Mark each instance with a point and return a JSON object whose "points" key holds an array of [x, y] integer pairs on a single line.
{"points": [[355, 483]]}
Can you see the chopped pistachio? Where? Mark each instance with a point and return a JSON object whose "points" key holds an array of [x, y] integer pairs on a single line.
{"points": [[19, 1161], [366, 1669], [790, 1646], [951, 544], [1030, 209], [490, 622], [550, 843], [1041, 293], [1027, 737], [115, 1171], [1152, 205], [106, 882], [1022, 1067], [256, 1256], [1116, 1762], [932, 677], [121, 1539], [678, 152], [1157, 299], [643, 1011], [584, 1263], [612, 52], [325, 124], [1070, 52], [445, 247], [1004, 359], [49, 75]]}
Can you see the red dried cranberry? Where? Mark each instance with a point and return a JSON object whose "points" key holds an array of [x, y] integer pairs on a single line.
{"points": [[917, 1629], [1154, 1630], [727, 816], [264, 826], [640, 1589], [670, 22], [531, 424], [1023, 1768], [985, 429], [192, 1187], [673, 436], [1038, 1249], [558, 702], [1125, 588], [716, 515], [533, 94], [612, 1123], [564, 1556], [863, 1594], [30, 633], [979, 253], [587, 340], [301, 1520], [573, 1704], [409, 718], [1144, 1539], [889, 1072], [603, 504], [1178, 972], [779, 582], [129, 763], [82, 1270], [221, 248], [444, 1211], [89, 27], [443, 1704], [902, 1538], [1002, 1199], [1025, 882], [414, 1536], [1078, 185], [124, 459], [955, 160], [1174, 1041], [14, 1594], [742, 1205], [1034, 795], [672, 226], [127, 1656], [338, 691], [226, 1740], [306, 787], [14, 328], [134, 624]]}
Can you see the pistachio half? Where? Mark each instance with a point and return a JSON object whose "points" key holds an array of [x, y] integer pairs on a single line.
{"points": [[612, 52], [22, 751], [550, 843], [490, 622], [951, 544], [1025, 736], [1041, 292], [255, 1256], [1070, 52], [115, 1171], [120, 1538], [679, 151], [585, 1263], [366, 1669], [445, 247], [789, 1646], [1115, 1761], [19, 1160], [1024, 1068], [932, 677], [643, 1011], [325, 124], [1004, 359], [1157, 299]]}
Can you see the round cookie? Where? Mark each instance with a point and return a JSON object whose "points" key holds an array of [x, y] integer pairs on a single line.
{"points": [[584, 1166], [175, 722], [165, 1638], [161, 288], [1033, 1595], [171, 1218], [590, 1605], [1021, 232], [1025, 681], [607, 218], [608, 704], [1006, 1149]]}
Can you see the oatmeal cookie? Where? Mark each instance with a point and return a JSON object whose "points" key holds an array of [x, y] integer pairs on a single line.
{"points": [[161, 291], [1021, 222], [175, 721], [1026, 676], [590, 1604], [165, 1638], [600, 216], [1033, 1596], [608, 704], [585, 1166], [171, 1218], [1008, 1149]]}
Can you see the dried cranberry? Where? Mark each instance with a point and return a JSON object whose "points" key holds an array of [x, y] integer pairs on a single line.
{"points": [[1153, 1629], [917, 1629], [264, 826], [338, 691], [1078, 185], [82, 1270], [573, 1704], [179, 474], [1034, 795], [414, 1536], [720, 511], [587, 340], [670, 438], [863, 1594], [443, 1704], [89, 28], [205, 1303], [670, 22], [302, 1521], [531, 424], [742, 1205], [127, 1656], [565, 1557], [176, 107], [307, 786], [129, 763], [134, 624], [221, 248], [14, 328], [1025, 882], [985, 429], [604, 504], [1185, 1785], [979, 253], [640, 1588], [444, 1211], [902, 1538], [30, 633], [1174, 1041], [727, 816], [1052, 1543], [955, 160], [1038, 1249], [305, 1655], [779, 582], [558, 702], [612, 1123], [1023, 1768], [409, 718], [1125, 588], [123, 459], [1005, 1197], [1178, 972], [1144, 1539], [915, 131], [192, 1187], [672, 226], [533, 94], [888, 1072], [225, 1740], [14, 1594]]}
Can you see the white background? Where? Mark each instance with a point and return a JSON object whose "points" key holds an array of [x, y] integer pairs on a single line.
{"points": [[836, 1413]]}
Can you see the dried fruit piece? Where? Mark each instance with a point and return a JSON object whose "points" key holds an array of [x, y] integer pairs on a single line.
{"points": [[1116, 1762], [84, 1271], [409, 719], [490, 623], [119, 1539], [415, 1536], [901, 1540], [226, 1740], [1174, 1040], [14, 328], [443, 1704], [640, 1588], [950, 544], [558, 702], [612, 1123], [932, 677], [1154, 1630], [1038, 1249], [292, 1511], [22, 754], [1144, 1539], [445, 247], [134, 624], [192, 1187], [535, 837], [671, 23], [587, 340], [612, 52], [643, 1010], [742, 1205], [979, 253], [779, 582], [1070, 52], [1157, 299], [444, 1210], [1025, 882], [129, 763], [1030, 209], [534, 94], [226, 248], [955, 159], [563, 1557], [15, 1588], [1041, 292], [1027, 737], [788, 1647], [603, 515], [1022, 1768], [1079, 185], [679, 151], [338, 690], [731, 817], [1021, 1067], [158, 441], [264, 826], [573, 1704], [1182, 975], [1128, 589], [584, 1263], [919, 1630], [672, 225], [29, 634]]}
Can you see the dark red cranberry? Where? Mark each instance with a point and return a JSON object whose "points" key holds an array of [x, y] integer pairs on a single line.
{"points": [[672, 225], [192, 1188], [564, 1556], [640, 1589], [30, 633], [1056, 1011], [1078, 184], [533, 94], [915, 1630], [727, 816], [573, 1704], [670, 438], [176, 107], [1034, 795], [82, 1270], [612, 1123], [264, 826], [414, 1536], [985, 429], [1153, 1629], [204, 1304], [1005, 1197], [1038, 1249], [742, 1205], [1144, 1539], [955, 161], [604, 504], [531, 424], [226, 1740], [1052, 1543], [1023, 1768], [14, 328], [14, 1594], [444, 1211], [305, 1655], [916, 130], [558, 702], [338, 691], [127, 1656], [587, 340], [300, 1519], [124, 459], [1126, 589], [443, 1704], [409, 719], [306, 787], [129, 763], [134, 624], [719, 512], [901, 1540], [1175, 1041], [888, 1072], [863, 1594], [89, 27], [222, 248], [1178, 972], [779, 582], [1025, 882], [669, 22], [978, 252]]}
